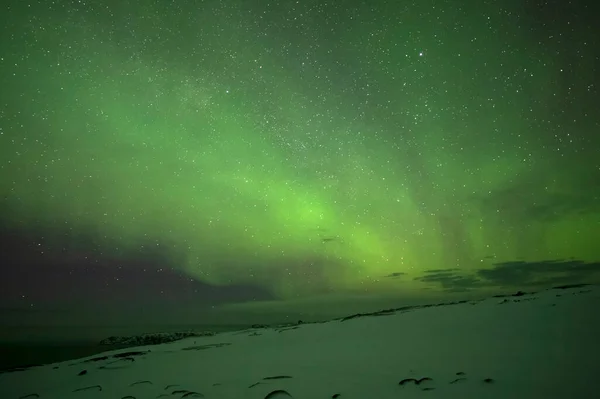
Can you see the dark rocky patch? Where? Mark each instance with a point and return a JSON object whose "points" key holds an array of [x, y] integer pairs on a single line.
{"points": [[96, 359], [353, 316], [129, 354], [387, 312], [567, 286], [335, 395], [460, 373], [202, 347], [153, 338], [287, 329], [120, 358], [96, 387], [505, 300], [277, 377], [488, 380], [428, 389], [384, 313], [128, 397], [82, 372], [516, 294], [163, 395], [179, 391], [280, 393], [54, 368], [402, 309], [254, 334], [171, 386], [31, 395], [405, 309], [458, 380], [141, 382], [416, 381]]}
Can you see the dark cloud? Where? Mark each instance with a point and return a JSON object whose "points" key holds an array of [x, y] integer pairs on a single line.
{"points": [[451, 279], [515, 274], [34, 272], [395, 274], [441, 270], [111, 284], [539, 273]]}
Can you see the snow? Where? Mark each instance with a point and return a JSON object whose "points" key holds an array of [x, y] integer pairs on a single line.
{"points": [[539, 345]]}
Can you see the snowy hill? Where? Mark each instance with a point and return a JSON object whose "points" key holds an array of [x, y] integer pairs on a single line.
{"points": [[539, 345]]}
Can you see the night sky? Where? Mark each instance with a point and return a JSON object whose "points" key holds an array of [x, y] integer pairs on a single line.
{"points": [[208, 153]]}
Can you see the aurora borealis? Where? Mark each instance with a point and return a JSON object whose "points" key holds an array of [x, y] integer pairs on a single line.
{"points": [[299, 147]]}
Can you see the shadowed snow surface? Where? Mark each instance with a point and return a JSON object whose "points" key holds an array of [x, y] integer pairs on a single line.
{"points": [[540, 345]]}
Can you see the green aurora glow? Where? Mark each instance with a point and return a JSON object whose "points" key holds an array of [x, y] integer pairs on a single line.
{"points": [[312, 155]]}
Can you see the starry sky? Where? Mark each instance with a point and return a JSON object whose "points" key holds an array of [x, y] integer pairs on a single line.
{"points": [[213, 153]]}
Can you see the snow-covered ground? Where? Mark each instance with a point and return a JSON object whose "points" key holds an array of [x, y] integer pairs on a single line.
{"points": [[542, 345]]}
